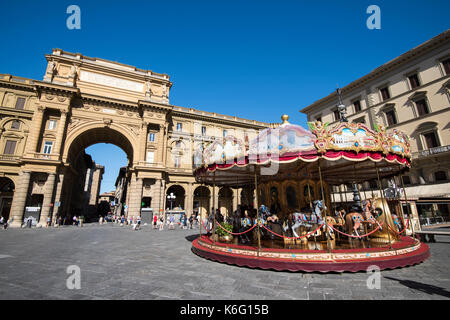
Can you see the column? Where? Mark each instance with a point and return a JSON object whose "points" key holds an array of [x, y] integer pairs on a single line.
{"points": [[35, 130], [161, 143], [235, 199], [156, 196], [60, 132], [143, 141], [57, 205], [189, 200], [19, 199], [48, 194], [134, 208]]}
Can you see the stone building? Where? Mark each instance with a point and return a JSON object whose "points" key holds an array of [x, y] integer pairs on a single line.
{"points": [[409, 93], [46, 125]]}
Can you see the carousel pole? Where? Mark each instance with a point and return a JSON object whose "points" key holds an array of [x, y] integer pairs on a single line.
{"points": [[257, 212], [214, 208], [384, 207], [406, 202], [311, 206], [324, 201]]}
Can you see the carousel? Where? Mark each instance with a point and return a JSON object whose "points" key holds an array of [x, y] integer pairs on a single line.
{"points": [[295, 222]]}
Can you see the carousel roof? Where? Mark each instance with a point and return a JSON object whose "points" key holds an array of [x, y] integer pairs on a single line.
{"points": [[347, 152]]}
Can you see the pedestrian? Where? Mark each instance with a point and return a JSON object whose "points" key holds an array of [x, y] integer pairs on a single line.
{"points": [[185, 220], [191, 221], [171, 222], [138, 220], [3, 223], [161, 222], [74, 219], [155, 221]]}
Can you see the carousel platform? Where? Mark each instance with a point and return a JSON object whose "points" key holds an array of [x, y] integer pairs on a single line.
{"points": [[405, 252]]}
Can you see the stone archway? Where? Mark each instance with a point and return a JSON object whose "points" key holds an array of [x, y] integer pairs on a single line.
{"points": [[180, 195], [73, 198], [6, 195], [202, 201], [225, 201]]}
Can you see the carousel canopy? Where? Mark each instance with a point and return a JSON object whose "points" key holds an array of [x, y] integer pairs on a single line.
{"points": [[347, 152]]}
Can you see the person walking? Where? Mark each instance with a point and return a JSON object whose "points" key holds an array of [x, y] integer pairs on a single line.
{"points": [[3, 223], [191, 221], [171, 222], [161, 222], [155, 221]]}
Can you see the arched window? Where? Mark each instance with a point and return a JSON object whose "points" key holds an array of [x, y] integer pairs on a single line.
{"points": [[291, 197], [440, 176]]}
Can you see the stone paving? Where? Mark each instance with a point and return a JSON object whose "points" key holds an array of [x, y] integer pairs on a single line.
{"points": [[119, 263]]}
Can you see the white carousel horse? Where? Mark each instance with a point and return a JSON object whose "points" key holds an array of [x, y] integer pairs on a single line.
{"points": [[301, 219]]}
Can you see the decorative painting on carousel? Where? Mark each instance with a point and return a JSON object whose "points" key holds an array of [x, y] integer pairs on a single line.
{"points": [[354, 136], [225, 151], [282, 140]]}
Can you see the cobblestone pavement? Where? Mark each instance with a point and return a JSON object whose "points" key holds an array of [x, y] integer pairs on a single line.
{"points": [[119, 263]]}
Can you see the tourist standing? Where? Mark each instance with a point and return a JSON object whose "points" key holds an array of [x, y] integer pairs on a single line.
{"points": [[155, 221]]}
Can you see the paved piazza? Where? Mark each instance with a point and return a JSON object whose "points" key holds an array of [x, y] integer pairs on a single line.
{"points": [[119, 263]]}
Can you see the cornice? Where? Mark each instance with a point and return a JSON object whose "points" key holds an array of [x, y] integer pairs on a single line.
{"points": [[397, 62]]}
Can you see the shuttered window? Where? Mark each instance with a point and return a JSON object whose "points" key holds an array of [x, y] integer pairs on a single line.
{"points": [[20, 103], [10, 147]]}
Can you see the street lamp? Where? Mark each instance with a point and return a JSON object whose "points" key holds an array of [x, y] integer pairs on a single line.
{"points": [[171, 197]]}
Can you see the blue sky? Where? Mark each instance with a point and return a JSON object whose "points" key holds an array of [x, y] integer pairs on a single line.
{"points": [[253, 59]]}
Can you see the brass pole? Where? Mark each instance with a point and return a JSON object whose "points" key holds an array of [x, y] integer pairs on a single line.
{"points": [[384, 208], [412, 214], [257, 211], [214, 208], [325, 211], [311, 206]]}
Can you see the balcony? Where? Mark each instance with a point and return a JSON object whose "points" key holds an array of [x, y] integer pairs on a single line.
{"points": [[430, 152], [9, 157]]}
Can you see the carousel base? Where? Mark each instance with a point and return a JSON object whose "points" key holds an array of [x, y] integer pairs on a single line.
{"points": [[405, 252]]}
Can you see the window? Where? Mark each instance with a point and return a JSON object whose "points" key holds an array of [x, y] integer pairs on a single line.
{"points": [[337, 115], [10, 147], [15, 125], [20, 103], [385, 93], [151, 137], [440, 176], [446, 65], [150, 157], [203, 131], [406, 180], [360, 120], [391, 117], [357, 105], [179, 126], [422, 107], [414, 81], [224, 133], [431, 140], [177, 162], [52, 124], [178, 144], [48, 145], [319, 119]]}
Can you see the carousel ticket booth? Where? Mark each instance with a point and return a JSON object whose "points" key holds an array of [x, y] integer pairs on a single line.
{"points": [[294, 224]]}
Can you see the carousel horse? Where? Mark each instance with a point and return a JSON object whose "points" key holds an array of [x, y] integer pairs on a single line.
{"points": [[353, 222], [271, 221], [367, 210], [300, 219]]}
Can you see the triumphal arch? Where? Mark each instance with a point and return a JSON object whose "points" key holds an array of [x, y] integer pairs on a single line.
{"points": [[46, 125]]}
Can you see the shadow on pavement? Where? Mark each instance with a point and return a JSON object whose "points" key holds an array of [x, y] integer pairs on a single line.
{"points": [[426, 288], [192, 237]]}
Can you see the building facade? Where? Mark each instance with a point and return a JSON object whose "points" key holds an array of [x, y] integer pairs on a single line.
{"points": [[409, 93], [46, 125]]}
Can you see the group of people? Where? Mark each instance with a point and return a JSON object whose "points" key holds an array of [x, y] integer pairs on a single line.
{"points": [[133, 221], [184, 222]]}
